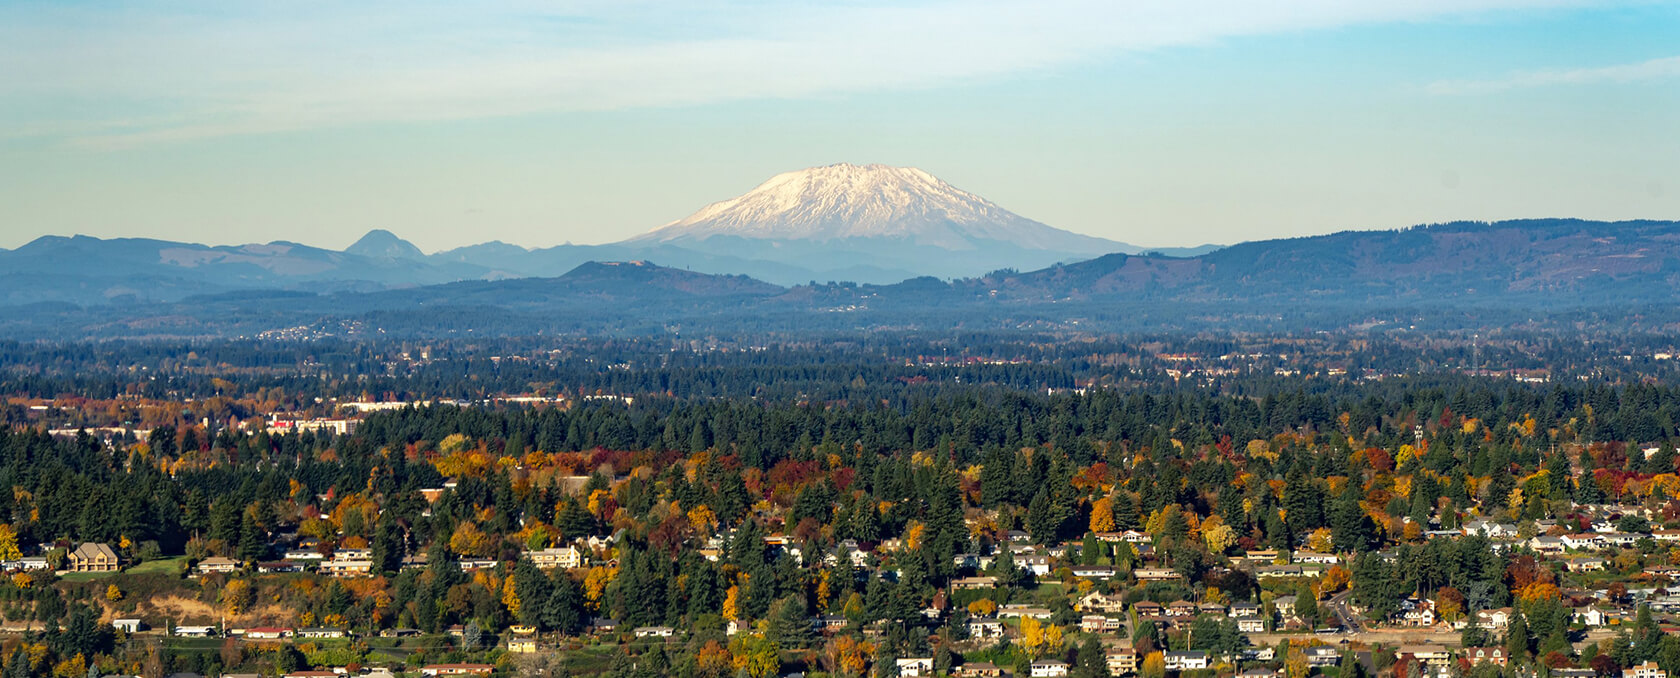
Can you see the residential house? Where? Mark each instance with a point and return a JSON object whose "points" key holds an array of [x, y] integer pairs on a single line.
{"points": [[1316, 558], [1583, 541], [1591, 617], [321, 632], [1547, 545], [1584, 564], [127, 625], [1417, 612], [216, 564], [1093, 571], [267, 633], [915, 666], [1038, 564], [522, 645], [982, 628], [1281, 571], [1433, 655], [1181, 608], [1053, 668], [279, 567], [1251, 625], [1096, 623], [1485, 655], [979, 670], [974, 583], [1122, 661], [1101, 602], [1495, 619], [457, 669], [1647, 669], [94, 557], [1490, 529], [1322, 655], [1193, 660], [1155, 574], [654, 632], [1245, 609], [565, 558], [344, 567], [1023, 610]]}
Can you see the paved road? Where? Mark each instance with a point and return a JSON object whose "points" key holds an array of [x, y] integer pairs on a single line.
{"points": [[1345, 615]]}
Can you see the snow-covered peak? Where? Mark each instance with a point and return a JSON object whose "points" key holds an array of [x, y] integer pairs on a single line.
{"points": [[867, 201]]}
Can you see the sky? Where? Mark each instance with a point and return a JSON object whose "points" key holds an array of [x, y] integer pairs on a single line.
{"points": [[1168, 123]]}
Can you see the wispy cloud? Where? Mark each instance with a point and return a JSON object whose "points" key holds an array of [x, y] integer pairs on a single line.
{"points": [[1654, 69], [168, 71]]}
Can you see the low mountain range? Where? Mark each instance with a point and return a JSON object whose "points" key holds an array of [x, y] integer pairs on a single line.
{"points": [[1475, 274]]}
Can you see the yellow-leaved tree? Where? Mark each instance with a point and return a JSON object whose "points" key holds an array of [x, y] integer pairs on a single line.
{"points": [[8, 543], [1154, 665], [1040, 638], [1102, 515], [237, 596], [1319, 540], [732, 603]]}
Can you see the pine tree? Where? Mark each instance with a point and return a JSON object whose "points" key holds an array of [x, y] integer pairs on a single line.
{"points": [[1516, 638], [790, 624], [1091, 660], [564, 610], [388, 549], [1350, 529], [1126, 512], [253, 542]]}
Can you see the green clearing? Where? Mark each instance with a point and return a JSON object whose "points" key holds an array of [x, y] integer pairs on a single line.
{"points": [[169, 566]]}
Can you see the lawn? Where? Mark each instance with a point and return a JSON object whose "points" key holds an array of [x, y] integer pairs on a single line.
{"points": [[170, 566], [86, 576]]}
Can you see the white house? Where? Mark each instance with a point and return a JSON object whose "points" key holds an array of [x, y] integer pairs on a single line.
{"points": [[915, 666], [1194, 660], [1051, 668]]}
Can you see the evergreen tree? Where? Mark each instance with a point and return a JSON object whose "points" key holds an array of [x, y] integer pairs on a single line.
{"points": [[388, 549], [790, 624], [1516, 638], [1091, 661], [564, 610], [1350, 529]]}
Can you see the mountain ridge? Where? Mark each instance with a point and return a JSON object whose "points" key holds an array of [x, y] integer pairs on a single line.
{"points": [[1465, 270]]}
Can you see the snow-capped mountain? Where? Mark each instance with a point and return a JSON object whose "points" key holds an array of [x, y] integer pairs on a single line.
{"points": [[845, 201]]}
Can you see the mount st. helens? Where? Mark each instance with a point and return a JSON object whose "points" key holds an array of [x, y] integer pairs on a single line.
{"points": [[847, 202], [875, 223]]}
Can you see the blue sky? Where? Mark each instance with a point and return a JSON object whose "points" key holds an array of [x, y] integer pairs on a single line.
{"points": [[1156, 123]]}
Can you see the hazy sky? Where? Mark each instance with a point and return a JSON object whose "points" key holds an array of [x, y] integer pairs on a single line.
{"points": [[1157, 123]]}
